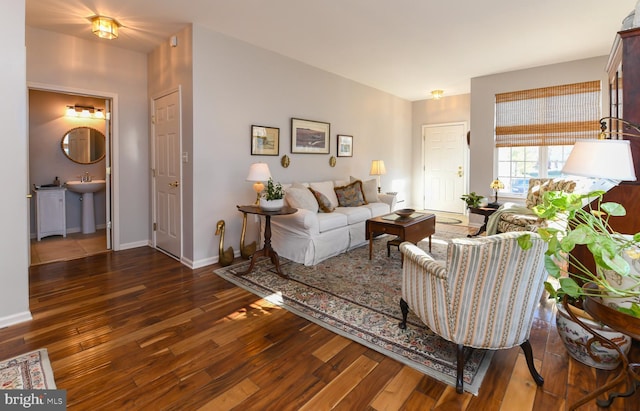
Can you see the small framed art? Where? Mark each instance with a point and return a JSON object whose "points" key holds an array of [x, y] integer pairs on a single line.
{"points": [[265, 141], [309, 137], [345, 146]]}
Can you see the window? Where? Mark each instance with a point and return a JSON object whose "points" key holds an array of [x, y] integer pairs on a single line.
{"points": [[536, 129]]}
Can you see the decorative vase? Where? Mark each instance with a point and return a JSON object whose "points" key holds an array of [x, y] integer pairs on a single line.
{"points": [[576, 340], [271, 205]]}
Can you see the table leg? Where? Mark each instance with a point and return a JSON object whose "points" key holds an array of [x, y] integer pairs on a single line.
{"points": [[370, 244], [267, 251]]}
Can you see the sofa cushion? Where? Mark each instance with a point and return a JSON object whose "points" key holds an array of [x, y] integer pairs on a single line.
{"points": [[330, 221], [301, 198], [355, 214], [350, 195], [326, 188], [369, 190], [377, 209], [323, 202]]}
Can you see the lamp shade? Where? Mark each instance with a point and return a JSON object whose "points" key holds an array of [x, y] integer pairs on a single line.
{"points": [[609, 159], [259, 172], [377, 168]]}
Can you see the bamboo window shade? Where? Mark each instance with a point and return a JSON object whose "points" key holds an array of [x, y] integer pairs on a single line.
{"points": [[548, 116]]}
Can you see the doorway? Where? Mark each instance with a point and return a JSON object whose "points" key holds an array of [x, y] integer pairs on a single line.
{"points": [[445, 166], [51, 118]]}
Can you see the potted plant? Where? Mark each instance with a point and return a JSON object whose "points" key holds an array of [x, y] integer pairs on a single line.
{"points": [[472, 199], [614, 277], [273, 197]]}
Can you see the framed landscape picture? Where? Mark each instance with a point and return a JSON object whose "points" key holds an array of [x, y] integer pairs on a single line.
{"points": [[345, 146], [265, 141], [309, 137]]}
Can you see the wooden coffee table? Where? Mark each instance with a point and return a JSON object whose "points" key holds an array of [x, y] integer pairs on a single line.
{"points": [[413, 228]]}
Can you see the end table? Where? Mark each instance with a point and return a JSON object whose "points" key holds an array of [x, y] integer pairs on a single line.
{"points": [[486, 212], [267, 250]]}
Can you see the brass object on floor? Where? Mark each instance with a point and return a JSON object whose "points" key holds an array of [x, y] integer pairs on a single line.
{"points": [[225, 257], [246, 251]]}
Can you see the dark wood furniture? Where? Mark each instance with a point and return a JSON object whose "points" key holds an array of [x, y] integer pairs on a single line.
{"points": [[411, 229], [267, 250], [486, 212]]}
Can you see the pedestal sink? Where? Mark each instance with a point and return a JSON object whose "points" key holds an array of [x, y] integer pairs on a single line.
{"points": [[87, 188]]}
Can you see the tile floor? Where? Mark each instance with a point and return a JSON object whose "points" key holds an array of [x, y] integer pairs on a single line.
{"points": [[75, 245]]}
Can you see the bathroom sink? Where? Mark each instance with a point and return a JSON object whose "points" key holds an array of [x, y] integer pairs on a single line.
{"points": [[86, 186]]}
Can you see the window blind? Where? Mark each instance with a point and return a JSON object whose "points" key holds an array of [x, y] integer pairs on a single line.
{"points": [[548, 116]]}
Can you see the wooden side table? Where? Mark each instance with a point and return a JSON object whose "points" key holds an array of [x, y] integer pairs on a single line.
{"points": [[486, 212], [267, 250]]}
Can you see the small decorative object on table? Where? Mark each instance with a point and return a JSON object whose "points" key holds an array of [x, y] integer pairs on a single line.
{"points": [[273, 198], [405, 212], [472, 199], [495, 186]]}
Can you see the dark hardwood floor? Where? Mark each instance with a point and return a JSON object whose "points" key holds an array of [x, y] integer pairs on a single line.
{"points": [[137, 330]]}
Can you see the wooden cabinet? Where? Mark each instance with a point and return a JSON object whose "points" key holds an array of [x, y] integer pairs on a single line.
{"points": [[50, 212]]}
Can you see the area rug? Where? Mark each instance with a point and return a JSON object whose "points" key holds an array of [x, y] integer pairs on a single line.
{"points": [[30, 371], [447, 220], [359, 298]]}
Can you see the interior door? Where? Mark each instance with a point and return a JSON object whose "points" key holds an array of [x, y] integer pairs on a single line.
{"points": [[167, 171], [444, 167]]}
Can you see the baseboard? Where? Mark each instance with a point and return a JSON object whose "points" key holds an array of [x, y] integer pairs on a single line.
{"points": [[127, 246], [15, 319]]}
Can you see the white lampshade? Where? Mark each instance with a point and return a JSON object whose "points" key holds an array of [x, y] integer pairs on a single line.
{"points": [[608, 159], [259, 172], [377, 168]]}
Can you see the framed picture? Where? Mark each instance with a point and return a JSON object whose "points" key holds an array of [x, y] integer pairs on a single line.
{"points": [[345, 146], [309, 137], [265, 141]]}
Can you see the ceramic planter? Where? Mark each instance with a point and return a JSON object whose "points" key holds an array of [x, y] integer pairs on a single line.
{"points": [[271, 205], [576, 339]]}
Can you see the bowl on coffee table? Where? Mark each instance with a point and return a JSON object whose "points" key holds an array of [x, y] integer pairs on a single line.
{"points": [[405, 212]]}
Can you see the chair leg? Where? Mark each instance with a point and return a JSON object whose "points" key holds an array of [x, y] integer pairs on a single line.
{"points": [[528, 354], [404, 307], [460, 375]]}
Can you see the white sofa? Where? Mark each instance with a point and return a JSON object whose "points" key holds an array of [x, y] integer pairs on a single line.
{"points": [[311, 235]]}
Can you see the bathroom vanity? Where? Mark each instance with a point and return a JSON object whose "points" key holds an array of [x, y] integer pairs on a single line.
{"points": [[50, 212]]}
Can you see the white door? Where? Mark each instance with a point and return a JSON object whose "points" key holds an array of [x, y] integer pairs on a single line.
{"points": [[444, 167], [167, 170]]}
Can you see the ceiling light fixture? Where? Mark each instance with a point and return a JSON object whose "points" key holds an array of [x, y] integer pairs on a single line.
{"points": [[437, 94], [104, 27]]}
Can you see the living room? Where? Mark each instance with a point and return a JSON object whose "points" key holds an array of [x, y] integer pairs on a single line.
{"points": [[250, 86]]}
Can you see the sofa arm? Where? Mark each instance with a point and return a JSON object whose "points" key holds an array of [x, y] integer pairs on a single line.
{"points": [[389, 199], [302, 222]]}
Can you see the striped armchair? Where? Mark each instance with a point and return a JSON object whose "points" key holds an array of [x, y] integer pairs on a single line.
{"points": [[484, 297]]}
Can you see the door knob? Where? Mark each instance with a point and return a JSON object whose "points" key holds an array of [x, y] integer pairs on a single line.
{"points": [[174, 184]]}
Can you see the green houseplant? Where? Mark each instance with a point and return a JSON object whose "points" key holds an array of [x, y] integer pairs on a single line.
{"points": [[472, 199], [588, 226], [273, 197]]}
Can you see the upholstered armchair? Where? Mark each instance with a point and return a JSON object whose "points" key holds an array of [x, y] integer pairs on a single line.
{"points": [[483, 297], [512, 217]]}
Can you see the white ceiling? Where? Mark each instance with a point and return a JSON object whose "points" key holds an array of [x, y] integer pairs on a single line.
{"points": [[404, 47]]}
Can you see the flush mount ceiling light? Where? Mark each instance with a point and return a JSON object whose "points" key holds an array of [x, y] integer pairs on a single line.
{"points": [[104, 27], [437, 94]]}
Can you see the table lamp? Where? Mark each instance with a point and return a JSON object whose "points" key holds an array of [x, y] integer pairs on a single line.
{"points": [[496, 185], [258, 172], [377, 169]]}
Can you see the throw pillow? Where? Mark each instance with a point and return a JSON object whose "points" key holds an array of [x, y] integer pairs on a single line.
{"points": [[301, 198], [323, 202], [369, 190], [326, 188], [350, 195]]}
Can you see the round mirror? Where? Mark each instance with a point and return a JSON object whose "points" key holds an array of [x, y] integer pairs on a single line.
{"points": [[84, 145]]}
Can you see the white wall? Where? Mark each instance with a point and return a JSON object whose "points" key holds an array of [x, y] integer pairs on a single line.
{"points": [[72, 63], [484, 89], [14, 242], [237, 85]]}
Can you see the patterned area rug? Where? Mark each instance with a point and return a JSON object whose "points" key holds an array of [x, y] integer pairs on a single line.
{"points": [[359, 299], [31, 371]]}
